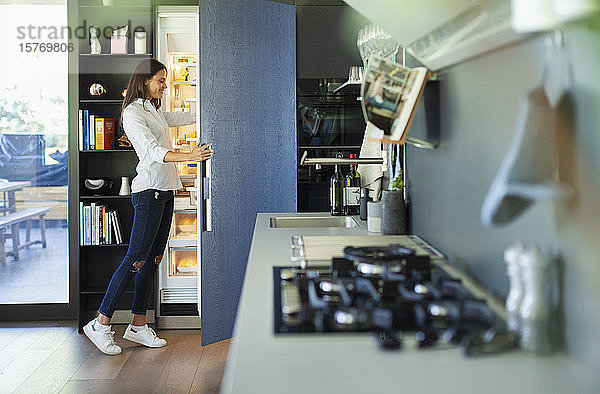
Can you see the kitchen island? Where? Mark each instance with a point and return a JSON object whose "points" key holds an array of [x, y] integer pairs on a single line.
{"points": [[261, 362]]}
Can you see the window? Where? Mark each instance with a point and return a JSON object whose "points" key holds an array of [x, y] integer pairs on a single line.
{"points": [[33, 153]]}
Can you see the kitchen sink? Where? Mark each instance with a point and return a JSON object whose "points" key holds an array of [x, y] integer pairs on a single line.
{"points": [[312, 221]]}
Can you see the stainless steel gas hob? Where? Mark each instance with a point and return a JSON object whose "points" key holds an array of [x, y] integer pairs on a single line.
{"points": [[390, 290]]}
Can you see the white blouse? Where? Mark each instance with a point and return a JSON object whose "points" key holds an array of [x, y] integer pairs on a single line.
{"points": [[148, 131]]}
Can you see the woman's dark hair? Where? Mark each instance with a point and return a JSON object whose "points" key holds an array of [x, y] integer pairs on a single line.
{"points": [[136, 88]]}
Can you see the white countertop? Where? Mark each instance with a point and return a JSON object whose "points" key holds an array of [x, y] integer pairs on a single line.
{"points": [[261, 362]]}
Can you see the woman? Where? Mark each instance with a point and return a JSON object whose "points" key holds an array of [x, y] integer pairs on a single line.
{"points": [[152, 197]]}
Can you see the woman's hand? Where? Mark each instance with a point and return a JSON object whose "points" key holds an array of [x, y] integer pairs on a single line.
{"points": [[201, 153]]}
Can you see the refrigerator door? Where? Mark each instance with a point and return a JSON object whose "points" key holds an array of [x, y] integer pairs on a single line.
{"points": [[248, 106]]}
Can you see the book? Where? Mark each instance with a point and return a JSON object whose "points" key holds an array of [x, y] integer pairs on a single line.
{"points": [[93, 223], [92, 131], [105, 133], [105, 225], [114, 224], [81, 224], [101, 208], [87, 224], [80, 130], [390, 94], [109, 239], [86, 127], [117, 227]]}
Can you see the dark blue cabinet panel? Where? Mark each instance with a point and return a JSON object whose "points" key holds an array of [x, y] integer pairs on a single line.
{"points": [[248, 106]]}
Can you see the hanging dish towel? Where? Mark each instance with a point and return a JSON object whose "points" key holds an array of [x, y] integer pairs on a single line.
{"points": [[371, 174]]}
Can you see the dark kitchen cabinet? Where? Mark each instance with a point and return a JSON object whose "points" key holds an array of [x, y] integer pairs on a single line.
{"points": [[331, 57]]}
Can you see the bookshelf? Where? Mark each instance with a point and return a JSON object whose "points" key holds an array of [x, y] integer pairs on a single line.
{"points": [[97, 262]]}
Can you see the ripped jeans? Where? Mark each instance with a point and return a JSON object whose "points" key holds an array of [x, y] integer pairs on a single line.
{"points": [[153, 211]]}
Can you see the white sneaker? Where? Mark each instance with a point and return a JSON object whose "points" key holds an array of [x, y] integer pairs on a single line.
{"points": [[104, 339], [144, 335]]}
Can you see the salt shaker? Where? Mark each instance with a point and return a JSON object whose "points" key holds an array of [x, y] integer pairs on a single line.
{"points": [[535, 311], [512, 256]]}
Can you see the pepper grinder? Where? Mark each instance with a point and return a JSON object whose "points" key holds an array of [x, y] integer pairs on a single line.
{"points": [[535, 312], [512, 256]]}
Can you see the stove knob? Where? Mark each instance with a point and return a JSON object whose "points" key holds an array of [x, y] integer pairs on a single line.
{"points": [[454, 335], [420, 315], [389, 339], [426, 338]]}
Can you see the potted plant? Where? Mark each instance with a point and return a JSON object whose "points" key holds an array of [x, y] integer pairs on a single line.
{"points": [[394, 218]]}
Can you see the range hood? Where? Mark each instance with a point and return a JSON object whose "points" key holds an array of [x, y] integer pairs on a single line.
{"points": [[407, 21], [441, 33]]}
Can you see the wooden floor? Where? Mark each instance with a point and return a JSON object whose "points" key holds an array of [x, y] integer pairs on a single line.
{"points": [[52, 357]]}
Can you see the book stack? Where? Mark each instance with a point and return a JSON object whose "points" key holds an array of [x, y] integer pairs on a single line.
{"points": [[95, 132], [99, 225]]}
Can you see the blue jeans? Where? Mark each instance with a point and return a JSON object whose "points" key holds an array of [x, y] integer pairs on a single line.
{"points": [[153, 211]]}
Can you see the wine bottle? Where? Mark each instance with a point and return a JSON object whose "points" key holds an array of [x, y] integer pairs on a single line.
{"points": [[336, 193], [352, 190]]}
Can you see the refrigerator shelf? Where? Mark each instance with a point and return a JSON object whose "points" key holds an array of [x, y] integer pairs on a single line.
{"points": [[182, 242], [190, 209], [187, 270], [182, 203]]}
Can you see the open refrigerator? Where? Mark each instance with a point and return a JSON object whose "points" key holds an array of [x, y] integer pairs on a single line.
{"points": [[179, 273]]}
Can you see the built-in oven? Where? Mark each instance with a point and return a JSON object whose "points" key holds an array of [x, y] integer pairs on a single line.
{"points": [[330, 122]]}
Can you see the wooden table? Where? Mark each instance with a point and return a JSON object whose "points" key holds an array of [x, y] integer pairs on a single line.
{"points": [[8, 189], [10, 218]]}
